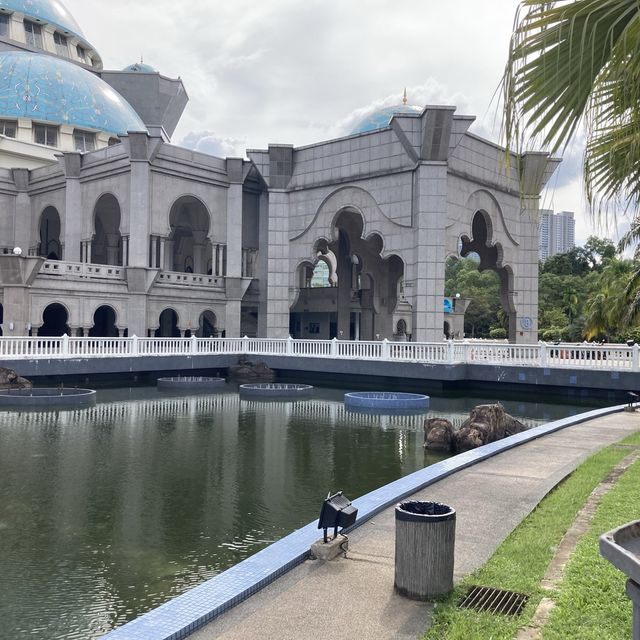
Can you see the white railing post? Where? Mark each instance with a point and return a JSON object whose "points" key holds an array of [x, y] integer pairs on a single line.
{"points": [[65, 345], [635, 358], [194, 345], [134, 345], [543, 353], [385, 349], [289, 346], [245, 345], [451, 352], [334, 348]]}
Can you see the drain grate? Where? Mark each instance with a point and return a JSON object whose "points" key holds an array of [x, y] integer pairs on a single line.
{"points": [[492, 600]]}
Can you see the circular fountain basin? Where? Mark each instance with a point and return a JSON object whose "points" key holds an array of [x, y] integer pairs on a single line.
{"points": [[46, 398], [275, 390], [191, 383], [388, 401]]}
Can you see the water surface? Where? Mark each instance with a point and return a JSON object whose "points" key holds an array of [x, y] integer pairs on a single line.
{"points": [[109, 511]]}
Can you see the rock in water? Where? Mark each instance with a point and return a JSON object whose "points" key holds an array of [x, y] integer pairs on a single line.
{"points": [[438, 434], [486, 423], [9, 379], [251, 371]]}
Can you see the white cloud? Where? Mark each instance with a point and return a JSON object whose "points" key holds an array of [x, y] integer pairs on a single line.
{"points": [[299, 72], [208, 142]]}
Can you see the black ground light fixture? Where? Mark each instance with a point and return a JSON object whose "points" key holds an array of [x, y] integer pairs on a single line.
{"points": [[337, 511]]}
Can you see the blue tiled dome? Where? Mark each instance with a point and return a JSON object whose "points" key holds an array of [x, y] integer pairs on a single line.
{"points": [[51, 11], [45, 88], [381, 118], [140, 67]]}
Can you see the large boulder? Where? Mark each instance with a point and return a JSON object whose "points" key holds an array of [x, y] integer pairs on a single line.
{"points": [[438, 434], [248, 371], [9, 379], [486, 423]]}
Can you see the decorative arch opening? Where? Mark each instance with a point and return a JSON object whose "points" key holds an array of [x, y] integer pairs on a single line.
{"points": [[168, 325], [55, 320], [49, 234], [489, 256], [104, 323], [106, 246], [349, 290], [190, 250], [208, 325]]}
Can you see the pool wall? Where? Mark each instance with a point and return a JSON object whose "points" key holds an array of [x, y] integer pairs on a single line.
{"points": [[191, 610], [577, 382]]}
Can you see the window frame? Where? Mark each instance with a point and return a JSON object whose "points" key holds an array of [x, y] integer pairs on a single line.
{"points": [[87, 136], [33, 34], [62, 47], [5, 22], [3, 127], [48, 129]]}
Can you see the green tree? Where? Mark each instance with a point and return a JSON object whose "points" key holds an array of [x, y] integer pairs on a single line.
{"points": [[577, 62], [606, 310]]}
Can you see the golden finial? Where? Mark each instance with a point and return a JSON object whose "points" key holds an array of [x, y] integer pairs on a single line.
{"points": [[404, 96]]}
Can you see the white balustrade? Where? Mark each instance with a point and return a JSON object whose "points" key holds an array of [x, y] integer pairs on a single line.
{"points": [[191, 279], [82, 270], [571, 356]]}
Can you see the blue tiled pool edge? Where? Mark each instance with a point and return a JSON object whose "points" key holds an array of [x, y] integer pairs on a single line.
{"points": [[191, 610]]}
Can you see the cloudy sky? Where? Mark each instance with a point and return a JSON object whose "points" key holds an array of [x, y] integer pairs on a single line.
{"points": [[300, 71]]}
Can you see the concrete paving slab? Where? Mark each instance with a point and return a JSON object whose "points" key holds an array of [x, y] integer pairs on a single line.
{"points": [[353, 597]]}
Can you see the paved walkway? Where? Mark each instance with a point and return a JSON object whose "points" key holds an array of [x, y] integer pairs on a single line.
{"points": [[353, 597]]}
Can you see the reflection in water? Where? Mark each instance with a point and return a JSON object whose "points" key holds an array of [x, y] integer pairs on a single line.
{"points": [[109, 511]]}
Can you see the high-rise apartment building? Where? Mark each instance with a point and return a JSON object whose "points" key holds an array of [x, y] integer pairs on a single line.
{"points": [[557, 233]]}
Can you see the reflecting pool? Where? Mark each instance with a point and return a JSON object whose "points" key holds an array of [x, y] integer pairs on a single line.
{"points": [[109, 511]]}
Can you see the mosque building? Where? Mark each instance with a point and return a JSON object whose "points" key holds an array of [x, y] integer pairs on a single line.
{"points": [[108, 229]]}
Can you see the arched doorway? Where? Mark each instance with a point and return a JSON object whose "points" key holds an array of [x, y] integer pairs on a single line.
{"points": [[104, 323], [168, 325], [208, 325], [55, 320], [49, 233], [189, 248], [106, 247], [488, 255]]}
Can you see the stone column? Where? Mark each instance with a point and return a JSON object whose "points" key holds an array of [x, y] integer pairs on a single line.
{"points": [[22, 228], [428, 270], [278, 268], [536, 169], [73, 224], [139, 205]]}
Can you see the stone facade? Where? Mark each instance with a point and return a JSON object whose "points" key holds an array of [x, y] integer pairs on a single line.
{"points": [[149, 238]]}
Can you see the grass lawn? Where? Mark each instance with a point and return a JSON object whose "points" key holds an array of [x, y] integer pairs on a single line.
{"points": [[521, 561], [591, 602]]}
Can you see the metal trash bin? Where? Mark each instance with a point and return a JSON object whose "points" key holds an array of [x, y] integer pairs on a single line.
{"points": [[425, 541]]}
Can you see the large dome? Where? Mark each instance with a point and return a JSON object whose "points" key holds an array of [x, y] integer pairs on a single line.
{"points": [[381, 118], [51, 11], [41, 87]]}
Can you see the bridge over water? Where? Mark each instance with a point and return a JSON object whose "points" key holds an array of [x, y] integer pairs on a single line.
{"points": [[606, 367]]}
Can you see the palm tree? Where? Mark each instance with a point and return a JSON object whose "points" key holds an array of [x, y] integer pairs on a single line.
{"points": [[578, 62], [606, 312]]}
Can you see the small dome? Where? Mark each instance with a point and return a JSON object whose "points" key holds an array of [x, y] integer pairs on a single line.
{"points": [[140, 67], [50, 89], [51, 11], [381, 118]]}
